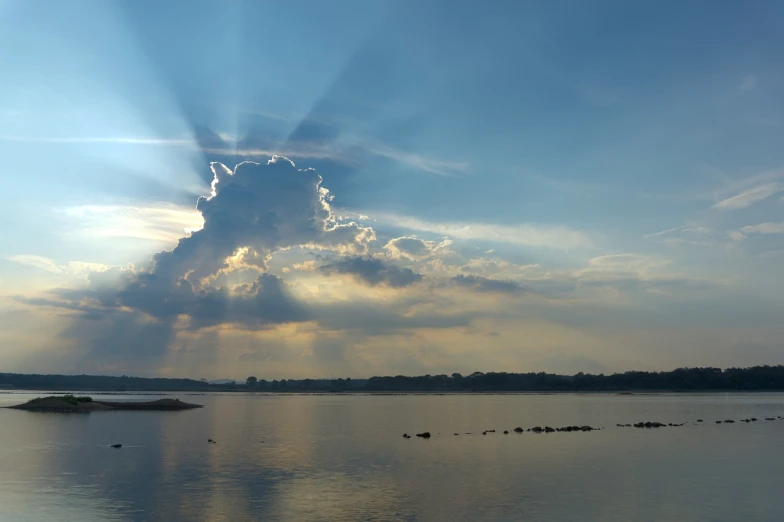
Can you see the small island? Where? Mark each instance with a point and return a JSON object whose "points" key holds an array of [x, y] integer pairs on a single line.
{"points": [[72, 404]]}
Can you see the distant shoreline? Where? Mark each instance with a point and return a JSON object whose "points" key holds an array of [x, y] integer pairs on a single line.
{"points": [[149, 393], [682, 380]]}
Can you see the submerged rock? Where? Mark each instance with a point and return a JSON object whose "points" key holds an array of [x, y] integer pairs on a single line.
{"points": [[649, 424], [116, 446]]}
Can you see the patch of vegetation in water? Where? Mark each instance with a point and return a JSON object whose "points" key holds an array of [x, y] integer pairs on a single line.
{"points": [[71, 399]]}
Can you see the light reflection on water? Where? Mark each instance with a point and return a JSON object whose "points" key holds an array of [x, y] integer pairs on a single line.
{"points": [[305, 457]]}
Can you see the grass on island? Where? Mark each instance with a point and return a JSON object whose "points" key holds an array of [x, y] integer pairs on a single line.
{"points": [[70, 399]]}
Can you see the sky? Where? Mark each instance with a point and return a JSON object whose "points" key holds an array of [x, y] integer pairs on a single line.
{"points": [[330, 189]]}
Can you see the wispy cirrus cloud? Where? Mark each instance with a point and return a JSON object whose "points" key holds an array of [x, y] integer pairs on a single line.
{"points": [[417, 161], [749, 197], [348, 151], [749, 83], [124, 140], [296, 150], [687, 235], [764, 228], [525, 234], [633, 272], [351, 152], [76, 268], [767, 121]]}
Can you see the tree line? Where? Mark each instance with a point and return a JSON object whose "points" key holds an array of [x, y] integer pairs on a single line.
{"points": [[754, 378]]}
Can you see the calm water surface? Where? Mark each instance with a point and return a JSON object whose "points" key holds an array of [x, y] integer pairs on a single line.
{"points": [[305, 457]]}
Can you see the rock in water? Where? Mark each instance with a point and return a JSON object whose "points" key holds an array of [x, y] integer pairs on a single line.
{"points": [[424, 435], [116, 445]]}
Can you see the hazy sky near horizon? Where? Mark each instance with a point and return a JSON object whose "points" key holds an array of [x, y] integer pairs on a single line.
{"points": [[427, 187]]}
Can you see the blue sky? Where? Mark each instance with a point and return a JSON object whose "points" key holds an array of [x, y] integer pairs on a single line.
{"points": [[521, 186]]}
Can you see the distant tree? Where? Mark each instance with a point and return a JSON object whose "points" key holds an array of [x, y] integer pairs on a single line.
{"points": [[251, 381], [755, 378]]}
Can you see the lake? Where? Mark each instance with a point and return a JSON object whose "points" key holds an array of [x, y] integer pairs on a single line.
{"points": [[343, 457]]}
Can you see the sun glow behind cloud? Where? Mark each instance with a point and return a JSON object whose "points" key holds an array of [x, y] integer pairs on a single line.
{"points": [[163, 223]]}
